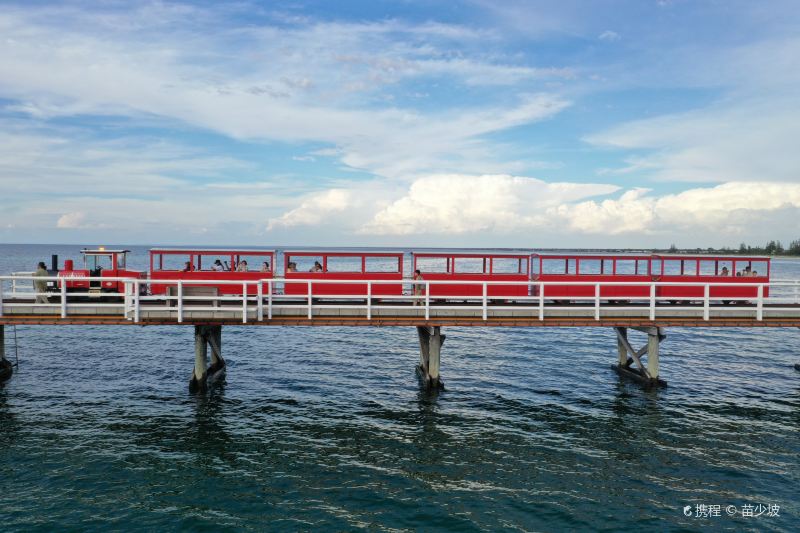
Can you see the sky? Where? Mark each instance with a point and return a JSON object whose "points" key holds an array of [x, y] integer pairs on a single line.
{"points": [[640, 123]]}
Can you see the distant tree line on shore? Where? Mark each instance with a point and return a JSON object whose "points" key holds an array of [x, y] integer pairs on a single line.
{"points": [[771, 248]]}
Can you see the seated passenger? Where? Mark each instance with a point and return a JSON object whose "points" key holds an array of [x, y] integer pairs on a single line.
{"points": [[188, 267], [755, 273], [217, 266], [725, 272], [242, 266], [291, 267], [265, 266], [316, 268]]}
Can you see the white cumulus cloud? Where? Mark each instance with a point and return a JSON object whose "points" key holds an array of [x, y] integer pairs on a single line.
{"points": [[462, 204], [726, 208], [315, 209], [72, 220]]}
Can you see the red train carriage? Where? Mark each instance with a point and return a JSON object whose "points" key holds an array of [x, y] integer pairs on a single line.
{"points": [[315, 265], [710, 269], [678, 269], [451, 266], [99, 263], [592, 268], [211, 264]]}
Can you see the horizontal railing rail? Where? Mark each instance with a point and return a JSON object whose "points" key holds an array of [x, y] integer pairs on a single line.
{"points": [[257, 299]]}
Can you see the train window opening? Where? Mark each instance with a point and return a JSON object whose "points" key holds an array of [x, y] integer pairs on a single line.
{"points": [[433, 264], [642, 266], [471, 265], [590, 266], [708, 268], [251, 263], [382, 264], [121, 261], [509, 265], [725, 268], [607, 267], [536, 266], [304, 263], [557, 266], [93, 262], [206, 262], [626, 267], [671, 267], [344, 264], [170, 261]]}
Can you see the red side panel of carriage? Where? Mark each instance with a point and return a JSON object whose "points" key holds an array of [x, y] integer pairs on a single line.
{"points": [[574, 268], [349, 266], [513, 269], [172, 264]]}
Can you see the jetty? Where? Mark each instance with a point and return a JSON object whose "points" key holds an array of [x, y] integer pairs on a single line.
{"points": [[262, 303]]}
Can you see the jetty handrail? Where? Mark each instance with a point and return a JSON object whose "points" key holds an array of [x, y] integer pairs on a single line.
{"points": [[253, 296]]}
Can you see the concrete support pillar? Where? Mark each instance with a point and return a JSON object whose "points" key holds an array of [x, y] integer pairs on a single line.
{"points": [[430, 349], [202, 376], [5, 365], [622, 333], [649, 374], [653, 342]]}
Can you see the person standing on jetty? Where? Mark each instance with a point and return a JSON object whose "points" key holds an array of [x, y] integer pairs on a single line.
{"points": [[419, 288], [40, 285]]}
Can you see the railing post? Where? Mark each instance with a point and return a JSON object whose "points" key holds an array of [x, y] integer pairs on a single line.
{"points": [[369, 300], [760, 304], [597, 301], [260, 305], [652, 301], [309, 300], [541, 300], [427, 300], [126, 300], [63, 299], [244, 303], [485, 303], [180, 301], [136, 293], [706, 302], [269, 300]]}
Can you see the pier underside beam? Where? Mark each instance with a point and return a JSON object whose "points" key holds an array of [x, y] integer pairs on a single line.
{"points": [[430, 349], [630, 359], [206, 337], [5, 365]]}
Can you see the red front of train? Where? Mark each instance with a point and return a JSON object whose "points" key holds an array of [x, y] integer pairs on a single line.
{"points": [[98, 263]]}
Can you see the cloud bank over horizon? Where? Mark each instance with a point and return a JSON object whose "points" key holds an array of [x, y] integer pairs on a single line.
{"points": [[510, 125]]}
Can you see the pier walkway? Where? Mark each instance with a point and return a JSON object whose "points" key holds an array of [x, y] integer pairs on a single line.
{"points": [[262, 303]]}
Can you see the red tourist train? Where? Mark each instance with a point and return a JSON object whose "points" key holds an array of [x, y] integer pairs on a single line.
{"points": [[568, 276]]}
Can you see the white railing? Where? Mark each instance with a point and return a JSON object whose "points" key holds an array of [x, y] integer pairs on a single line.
{"points": [[257, 299]]}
